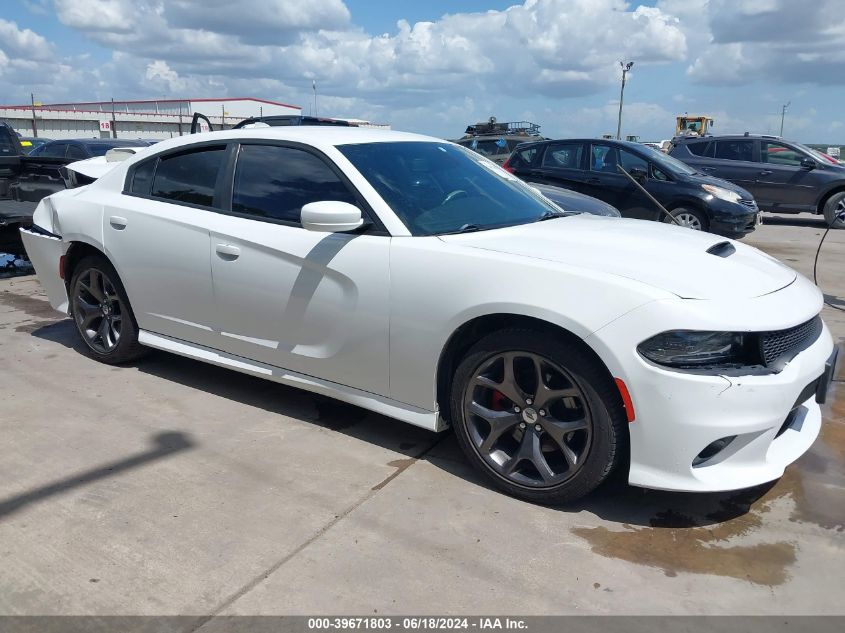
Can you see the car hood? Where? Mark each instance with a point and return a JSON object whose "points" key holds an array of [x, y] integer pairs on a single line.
{"points": [[671, 258]]}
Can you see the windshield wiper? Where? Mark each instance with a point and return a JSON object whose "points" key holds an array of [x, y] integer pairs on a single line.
{"points": [[550, 215], [466, 228]]}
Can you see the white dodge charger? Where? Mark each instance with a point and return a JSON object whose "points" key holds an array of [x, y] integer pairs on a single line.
{"points": [[412, 277]]}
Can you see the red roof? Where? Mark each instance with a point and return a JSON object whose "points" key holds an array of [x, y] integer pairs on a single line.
{"points": [[85, 103]]}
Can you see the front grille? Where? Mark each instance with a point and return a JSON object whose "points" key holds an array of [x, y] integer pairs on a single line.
{"points": [[781, 346], [749, 203]]}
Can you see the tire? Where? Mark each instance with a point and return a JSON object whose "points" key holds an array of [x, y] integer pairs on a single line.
{"points": [[833, 207], [690, 218], [102, 314], [533, 428]]}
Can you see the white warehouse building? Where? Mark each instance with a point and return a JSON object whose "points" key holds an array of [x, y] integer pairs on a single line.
{"points": [[148, 119]]}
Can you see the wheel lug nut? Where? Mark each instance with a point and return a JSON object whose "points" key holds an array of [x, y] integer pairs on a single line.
{"points": [[516, 409], [529, 401], [522, 425], [542, 412], [537, 427]]}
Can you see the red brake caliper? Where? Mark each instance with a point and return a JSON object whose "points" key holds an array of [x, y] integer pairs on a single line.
{"points": [[498, 401]]}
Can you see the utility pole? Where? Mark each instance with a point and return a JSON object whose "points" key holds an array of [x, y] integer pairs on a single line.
{"points": [[34, 124], [113, 121], [222, 115], [625, 68], [314, 88], [783, 114]]}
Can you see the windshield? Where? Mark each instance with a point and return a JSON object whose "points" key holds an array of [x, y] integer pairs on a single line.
{"points": [[666, 162], [439, 188]]}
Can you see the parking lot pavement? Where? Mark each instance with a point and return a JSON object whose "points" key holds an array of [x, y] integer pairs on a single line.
{"points": [[173, 487]]}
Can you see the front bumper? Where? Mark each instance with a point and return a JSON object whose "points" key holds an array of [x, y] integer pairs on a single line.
{"points": [[732, 219], [774, 417]]}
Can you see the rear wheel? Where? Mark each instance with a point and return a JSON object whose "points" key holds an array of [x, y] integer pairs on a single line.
{"points": [[540, 418], [101, 312], [690, 218], [833, 208]]}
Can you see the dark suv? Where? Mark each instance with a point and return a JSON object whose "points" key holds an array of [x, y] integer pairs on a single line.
{"points": [[785, 177], [590, 166], [496, 140]]}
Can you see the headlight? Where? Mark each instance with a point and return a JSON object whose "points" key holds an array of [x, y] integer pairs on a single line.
{"points": [[721, 193], [688, 348]]}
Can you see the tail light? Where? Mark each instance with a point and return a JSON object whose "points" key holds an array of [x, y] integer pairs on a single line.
{"points": [[507, 166]]}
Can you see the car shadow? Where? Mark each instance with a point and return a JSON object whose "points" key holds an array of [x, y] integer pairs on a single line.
{"points": [[615, 501]]}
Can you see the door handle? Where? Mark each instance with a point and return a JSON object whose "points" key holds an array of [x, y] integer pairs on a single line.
{"points": [[117, 222], [765, 172], [707, 168], [228, 252], [593, 181]]}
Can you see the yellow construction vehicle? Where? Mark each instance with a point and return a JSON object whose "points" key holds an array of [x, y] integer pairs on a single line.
{"points": [[690, 125]]}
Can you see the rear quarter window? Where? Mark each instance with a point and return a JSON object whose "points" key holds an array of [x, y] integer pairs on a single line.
{"points": [[700, 149], [189, 177]]}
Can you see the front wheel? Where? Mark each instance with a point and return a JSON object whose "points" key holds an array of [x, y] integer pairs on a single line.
{"points": [[102, 314], [540, 418], [690, 218], [833, 209]]}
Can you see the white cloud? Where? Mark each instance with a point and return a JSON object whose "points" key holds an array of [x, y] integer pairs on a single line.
{"points": [[23, 43], [747, 41], [556, 47]]}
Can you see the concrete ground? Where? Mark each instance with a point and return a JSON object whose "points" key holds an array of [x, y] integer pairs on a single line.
{"points": [[173, 487]]}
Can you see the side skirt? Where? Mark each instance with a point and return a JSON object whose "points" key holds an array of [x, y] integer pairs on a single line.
{"points": [[406, 413]]}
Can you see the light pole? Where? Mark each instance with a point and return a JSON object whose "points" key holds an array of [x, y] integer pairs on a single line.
{"points": [[314, 88], [783, 114], [625, 68]]}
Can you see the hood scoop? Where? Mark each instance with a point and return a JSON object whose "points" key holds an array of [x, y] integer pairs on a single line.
{"points": [[722, 249]]}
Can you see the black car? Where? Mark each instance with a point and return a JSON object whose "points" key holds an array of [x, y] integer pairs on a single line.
{"points": [[80, 149], [590, 166], [29, 143], [574, 202], [785, 177]]}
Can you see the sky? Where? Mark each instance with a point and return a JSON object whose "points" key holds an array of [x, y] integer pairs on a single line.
{"points": [[435, 66]]}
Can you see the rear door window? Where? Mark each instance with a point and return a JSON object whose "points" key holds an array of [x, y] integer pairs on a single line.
{"points": [[564, 155], [735, 150], [75, 152], [189, 177], [275, 182], [604, 158]]}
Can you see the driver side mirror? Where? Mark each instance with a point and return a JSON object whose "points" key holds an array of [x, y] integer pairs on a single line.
{"points": [[331, 216], [808, 163]]}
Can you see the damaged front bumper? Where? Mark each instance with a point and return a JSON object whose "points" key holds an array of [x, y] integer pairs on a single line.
{"points": [[698, 431]]}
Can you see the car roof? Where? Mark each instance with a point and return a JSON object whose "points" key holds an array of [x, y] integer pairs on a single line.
{"points": [[126, 142], [608, 141], [318, 136], [727, 137]]}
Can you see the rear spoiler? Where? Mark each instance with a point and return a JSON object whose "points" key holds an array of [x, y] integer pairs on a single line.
{"points": [[84, 172]]}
